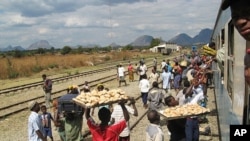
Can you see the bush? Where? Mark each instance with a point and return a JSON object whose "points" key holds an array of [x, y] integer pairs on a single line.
{"points": [[53, 66], [36, 68], [13, 74]]}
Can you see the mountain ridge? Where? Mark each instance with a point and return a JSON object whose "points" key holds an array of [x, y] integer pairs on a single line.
{"points": [[182, 39]]}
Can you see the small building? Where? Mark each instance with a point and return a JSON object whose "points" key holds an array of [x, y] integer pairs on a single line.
{"points": [[166, 46]]}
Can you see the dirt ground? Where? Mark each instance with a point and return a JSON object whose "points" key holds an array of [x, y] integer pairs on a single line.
{"points": [[14, 128]]}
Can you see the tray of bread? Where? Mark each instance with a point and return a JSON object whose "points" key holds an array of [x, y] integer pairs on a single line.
{"points": [[98, 98], [187, 110]]}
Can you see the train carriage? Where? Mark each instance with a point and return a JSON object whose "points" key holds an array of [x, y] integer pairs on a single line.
{"points": [[232, 93]]}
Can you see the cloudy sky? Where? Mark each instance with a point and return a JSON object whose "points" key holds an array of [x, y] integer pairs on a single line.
{"points": [[102, 22]]}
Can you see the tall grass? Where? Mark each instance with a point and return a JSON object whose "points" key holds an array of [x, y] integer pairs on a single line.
{"points": [[27, 66]]}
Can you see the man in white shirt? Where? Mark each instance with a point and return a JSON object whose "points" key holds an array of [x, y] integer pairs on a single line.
{"points": [[142, 69], [163, 64], [153, 130], [165, 76], [35, 127], [121, 75], [144, 87], [153, 77], [117, 116]]}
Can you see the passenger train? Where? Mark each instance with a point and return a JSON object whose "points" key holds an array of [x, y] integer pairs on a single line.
{"points": [[231, 91]]}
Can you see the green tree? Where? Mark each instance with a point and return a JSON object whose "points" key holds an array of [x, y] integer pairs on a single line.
{"points": [[41, 51], [18, 53], [128, 47], [66, 50], [155, 42], [79, 50]]}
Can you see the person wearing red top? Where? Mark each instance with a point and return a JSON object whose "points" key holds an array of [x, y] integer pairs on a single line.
{"points": [[131, 72], [104, 131]]}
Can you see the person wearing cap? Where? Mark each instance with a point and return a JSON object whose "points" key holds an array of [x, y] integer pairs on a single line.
{"points": [[35, 126]]}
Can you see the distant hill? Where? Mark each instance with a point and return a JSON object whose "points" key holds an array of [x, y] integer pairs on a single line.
{"points": [[10, 48], [144, 40], [183, 39], [40, 44]]}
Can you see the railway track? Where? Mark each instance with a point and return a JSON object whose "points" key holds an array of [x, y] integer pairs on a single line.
{"points": [[17, 107], [63, 78], [21, 106]]}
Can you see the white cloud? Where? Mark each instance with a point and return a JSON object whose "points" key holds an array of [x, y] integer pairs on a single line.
{"points": [[69, 22]]}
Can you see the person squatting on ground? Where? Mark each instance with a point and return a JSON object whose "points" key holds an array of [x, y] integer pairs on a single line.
{"points": [[144, 88], [46, 118], [117, 116], [35, 126], [155, 97], [153, 130], [104, 131], [47, 87], [177, 126]]}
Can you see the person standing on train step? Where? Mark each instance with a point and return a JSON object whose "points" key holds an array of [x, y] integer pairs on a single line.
{"points": [[35, 127], [153, 130], [47, 87]]}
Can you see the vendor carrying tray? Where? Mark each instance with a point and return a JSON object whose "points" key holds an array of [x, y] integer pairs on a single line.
{"points": [[184, 111], [80, 103], [100, 98]]}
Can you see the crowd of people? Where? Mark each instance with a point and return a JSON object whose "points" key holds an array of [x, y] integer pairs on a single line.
{"points": [[166, 87], [189, 82]]}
